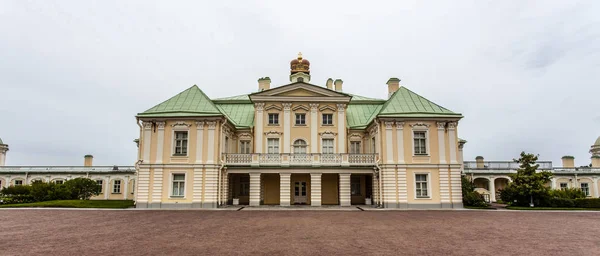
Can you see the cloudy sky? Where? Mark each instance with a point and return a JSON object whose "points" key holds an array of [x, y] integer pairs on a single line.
{"points": [[73, 74]]}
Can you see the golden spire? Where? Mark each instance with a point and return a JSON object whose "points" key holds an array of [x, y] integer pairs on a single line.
{"points": [[299, 55]]}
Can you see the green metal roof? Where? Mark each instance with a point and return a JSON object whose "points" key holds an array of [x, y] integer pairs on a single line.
{"points": [[191, 102], [1, 141], [358, 116], [358, 98], [241, 115], [406, 103], [240, 98]]}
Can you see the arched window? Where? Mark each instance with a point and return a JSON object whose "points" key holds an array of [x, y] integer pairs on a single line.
{"points": [[299, 147]]}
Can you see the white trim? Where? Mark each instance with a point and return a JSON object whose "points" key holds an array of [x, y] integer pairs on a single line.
{"points": [[185, 184], [389, 147], [400, 141], [160, 142], [427, 143], [441, 128], [180, 128], [199, 141], [259, 124], [146, 141], [429, 192], [287, 126], [314, 120], [341, 124], [452, 141], [334, 144], [210, 156], [112, 186]]}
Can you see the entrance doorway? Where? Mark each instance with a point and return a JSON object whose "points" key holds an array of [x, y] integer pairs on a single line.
{"points": [[300, 192]]}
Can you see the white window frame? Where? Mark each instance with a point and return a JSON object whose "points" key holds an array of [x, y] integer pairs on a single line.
{"points": [[296, 115], [305, 146], [172, 182], [177, 129], [278, 145], [427, 142], [101, 183], [114, 183], [429, 192], [353, 149], [269, 119], [245, 142], [15, 182], [323, 119], [587, 188], [323, 145], [561, 187], [55, 181]]}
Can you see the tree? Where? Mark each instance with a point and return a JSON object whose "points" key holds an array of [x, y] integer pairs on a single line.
{"points": [[83, 188], [528, 186], [470, 196]]}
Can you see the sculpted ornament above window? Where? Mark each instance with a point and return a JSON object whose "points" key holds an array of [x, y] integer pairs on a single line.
{"points": [[181, 123], [419, 125]]}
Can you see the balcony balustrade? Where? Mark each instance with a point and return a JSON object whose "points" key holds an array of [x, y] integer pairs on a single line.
{"points": [[544, 165], [333, 160]]}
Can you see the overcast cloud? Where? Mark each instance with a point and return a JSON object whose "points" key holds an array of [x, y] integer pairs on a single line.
{"points": [[73, 74]]}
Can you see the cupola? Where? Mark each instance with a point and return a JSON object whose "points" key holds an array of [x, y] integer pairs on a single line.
{"points": [[300, 69]]}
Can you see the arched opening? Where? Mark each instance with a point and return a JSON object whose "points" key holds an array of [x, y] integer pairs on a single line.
{"points": [[299, 146]]}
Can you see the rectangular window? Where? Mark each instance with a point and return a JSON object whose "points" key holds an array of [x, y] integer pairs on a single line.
{"points": [[100, 182], [273, 146], [181, 143], [585, 188], [117, 187], [244, 147], [563, 186], [60, 182], [178, 185], [355, 147], [273, 119], [421, 185], [327, 119], [327, 146], [18, 182], [420, 143], [355, 186], [300, 119]]}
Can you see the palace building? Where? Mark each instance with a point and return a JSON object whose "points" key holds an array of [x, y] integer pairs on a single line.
{"points": [[301, 143]]}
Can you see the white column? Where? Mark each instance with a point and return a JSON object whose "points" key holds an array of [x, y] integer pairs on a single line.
{"points": [[211, 183], [143, 187], [126, 188], [452, 141], [211, 142], [315, 189], [255, 189], [107, 190], [197, 188], [344, 189], [258, 125], [553, 183], [199, 141], [441, 142], [147, 139], [444, 187], [157, 185], [2, 153], [595, 185], [287, 127], [389, 187], [313, 127], [284, 189], [389, 149], [225, 188], [456, 187], [402, 188], [341, 123], [492, 189], [160, 139], [400, 141]]}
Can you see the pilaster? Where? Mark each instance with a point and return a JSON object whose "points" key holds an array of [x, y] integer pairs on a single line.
{"points": [[107, 190], [389, 187], [444, 187], [147, 139], [211, 142], [402, 188], [400, 141], [344, 189], [284, 189], [441, 127], [389, 149], [255, 189], [341, 122], [211, 183], [199, 141], [160, 139], [315, 189], [157, 186], [258, 124], [313, 127], [492, 189], [126, 187], [143, 186], [456, 187], [287, 127], [197, 188], [452, 141]]}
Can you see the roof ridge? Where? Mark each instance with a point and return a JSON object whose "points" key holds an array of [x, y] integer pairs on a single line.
{"points": [[190, 100]]}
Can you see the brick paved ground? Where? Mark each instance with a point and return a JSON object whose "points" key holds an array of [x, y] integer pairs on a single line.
{"points": [[79, 232]]}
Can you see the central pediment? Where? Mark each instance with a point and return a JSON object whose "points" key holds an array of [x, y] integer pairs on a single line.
{"points": [[300, 91]]}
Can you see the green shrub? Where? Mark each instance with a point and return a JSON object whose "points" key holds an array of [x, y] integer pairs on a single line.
{"points": [[15, 190], [587, 202], [83, 188], [561, 202], [474, 199], [568, 193]]}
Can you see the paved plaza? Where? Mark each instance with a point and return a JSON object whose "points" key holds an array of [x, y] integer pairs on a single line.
{"points": [[230, 232]]}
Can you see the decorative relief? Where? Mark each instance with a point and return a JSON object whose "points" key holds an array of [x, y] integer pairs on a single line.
{"points": [[161, 125], [355, 136], [200, 124], [296, 108], [313, 106], [181, 123], [341, 107], [399, 125], [245, 135], [259, 106], [211, 124], [147, 125], [286, 106], [419, 125], [326, 107], [388, 125], [273, 133], [374, 130], [452, 125], [327, 134], [273, 107], [441, 125]]}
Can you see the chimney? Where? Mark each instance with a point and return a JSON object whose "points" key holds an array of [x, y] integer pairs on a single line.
{"points": [[87, 160], [479, 162], [329, 84], [338, 84], [393, 85], [568, 162], [264, 83], [595, 161]]}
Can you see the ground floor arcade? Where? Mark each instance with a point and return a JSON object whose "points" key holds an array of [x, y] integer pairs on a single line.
{"points": [[287, 188]]}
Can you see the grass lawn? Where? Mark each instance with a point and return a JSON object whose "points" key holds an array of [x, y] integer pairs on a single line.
{"points": [[76, 204], [551, 208]]}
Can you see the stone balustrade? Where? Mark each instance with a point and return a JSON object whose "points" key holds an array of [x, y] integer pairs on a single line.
{"points": [[285, 159]]}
